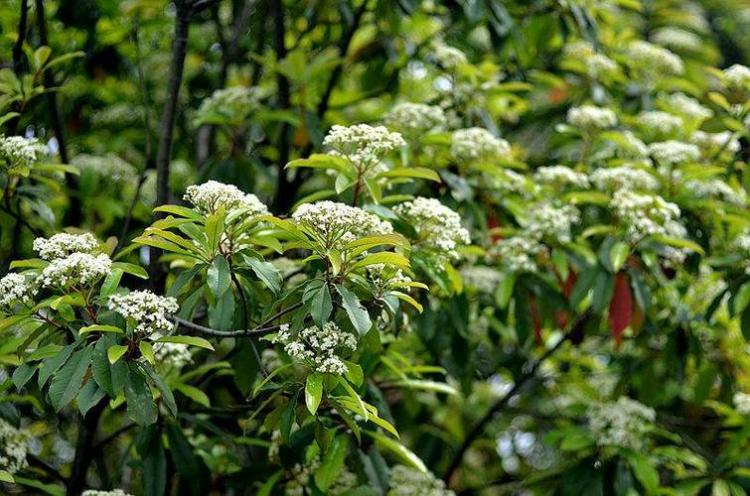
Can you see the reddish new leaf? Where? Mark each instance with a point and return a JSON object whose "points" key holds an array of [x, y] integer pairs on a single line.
{"points": [[620, 307], [536, 320]]}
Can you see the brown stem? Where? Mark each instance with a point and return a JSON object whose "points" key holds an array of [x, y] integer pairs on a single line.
{"points": [[87, 427], [166, 127]]}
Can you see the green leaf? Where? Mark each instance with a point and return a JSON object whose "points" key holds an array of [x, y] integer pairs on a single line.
{"points": [[319, 303], [313, 391], [412, 172], [402, 452], [22, 375], [741, 299], [52, 365], [166, 394], [384, 257], [320, 161], [425, 385], [354, 309], [6, 477], [68, 380], [287, 418], [332, 464], [147, 351], [194, 394], [188, 340], [132, 269], [109, 286], [644, 472], [140, 403], [100, 328], [219, 278], [618, 254], [266, 272], [90, 395], [115, 352]]}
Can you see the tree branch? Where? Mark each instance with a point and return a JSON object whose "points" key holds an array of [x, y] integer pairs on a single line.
{"points": [[166, 126], [260, 330], [87, 427], [527, 376]]}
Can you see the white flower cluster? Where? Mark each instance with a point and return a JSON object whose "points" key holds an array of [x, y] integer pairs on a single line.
{"points": [[518, 254], [15, 288], [724, 140], [546, 220], [645, 215], [741, 403], [318, 348], [677, 39], [210, 196], [110, 167], [650, 59], [674, 152], [148, 310], [688, 107], [300, 475], [477, 143], [590, 117], [737, 76], [235, 103], [437, 226], [13, 447], [415, 119], [715, 188], [657, 123], [176, 355], [387, 277], [406, 481], [483, 279], [597, 64], [19, 152], [508, 181], [363, 145], [446, 56], [337, 223], [62, 245], [114, 492], [76, 269], [623, 177], [631, 146], [560, 175], [623, 423]]}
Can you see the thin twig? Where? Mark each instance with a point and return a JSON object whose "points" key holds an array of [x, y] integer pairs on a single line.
{"points": [[37, 462], [245, 317], [479, 427], [256, 331]]}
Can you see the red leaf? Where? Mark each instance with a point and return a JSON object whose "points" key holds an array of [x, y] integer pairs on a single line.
{"points": [[620, 307], [492, 223], [569, 283]]}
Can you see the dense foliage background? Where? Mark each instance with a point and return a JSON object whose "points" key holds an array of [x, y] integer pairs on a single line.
{"points": [[374, 247]]}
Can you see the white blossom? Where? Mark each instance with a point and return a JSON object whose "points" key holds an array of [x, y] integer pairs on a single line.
{"points": [[630, 146], [80, 269], [447, 56], [674, 152], [483, 279], [518, 254], [737, 76], [110, 168], [319, 349], [715, 188], [16, 288], [677, 39], [545, 220], [560, 175], [415, 119], [363, 145], [17, 152], [13, 447], [652, 60], [235, 104], [590, 117], [688, 107], [149, 311], [657, 124], [741, 402], [624, 423], [406, 481], [62, 245], [724, 140], [387, 277], [175, 355], [210, 196], [645, 215], [337, 223], [597, 65], [623, 177], [478, 143], [437, 226]]}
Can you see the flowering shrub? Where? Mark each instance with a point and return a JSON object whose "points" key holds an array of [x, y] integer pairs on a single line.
{"points": [[375, 248]]}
